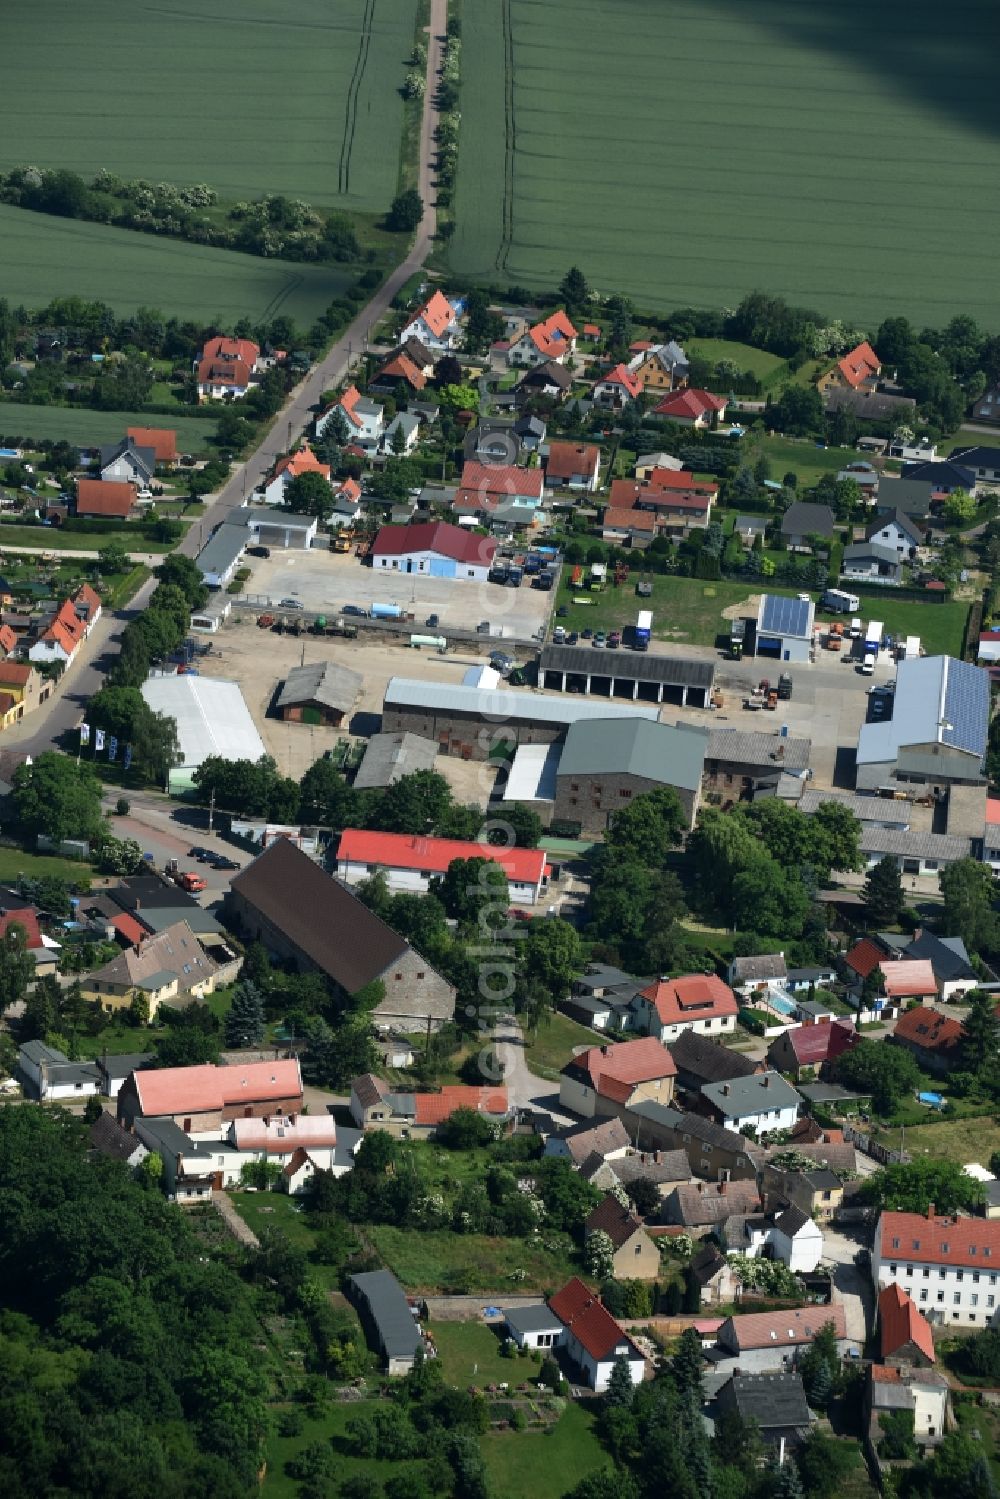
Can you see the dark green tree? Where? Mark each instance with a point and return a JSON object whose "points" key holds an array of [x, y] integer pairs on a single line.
{"points": [[310, 494], [885, 1073], [413, 804], [405, 212], [573, 288], [244, 1024], [474, 888], [912, 1187], [649, 826], [883, 892], [56, 797], [620, 1387], [17, 969], [981, 1041]]}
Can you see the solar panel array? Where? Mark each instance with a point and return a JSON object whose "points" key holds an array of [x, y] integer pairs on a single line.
{"points": [[966, 707], [783, 616]]}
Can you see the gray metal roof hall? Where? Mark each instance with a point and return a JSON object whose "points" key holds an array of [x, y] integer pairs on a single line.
{"points": [[389, 1313], [652, 675]]}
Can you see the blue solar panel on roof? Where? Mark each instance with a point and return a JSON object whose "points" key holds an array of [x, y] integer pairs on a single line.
{"points": [[785, 616], [966, 707]]}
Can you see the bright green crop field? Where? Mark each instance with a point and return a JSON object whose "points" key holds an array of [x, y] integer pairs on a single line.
{"points": [[265, 96], [44, 257], [92, 428], [844, 156]]}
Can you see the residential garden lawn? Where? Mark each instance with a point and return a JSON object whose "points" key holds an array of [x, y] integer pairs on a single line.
{"points": [[755, 361], [57, 539], [799, 456], [14, 862], [442, 1261], [550, 1047], [960, 1140], [120, 1040], [740, 186], [540, 1465], [336, 70], [89, 429], [469, 1353], [983, 1423]]}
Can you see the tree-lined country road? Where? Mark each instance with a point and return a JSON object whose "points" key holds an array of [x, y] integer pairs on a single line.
{"points": [[44, 728]]}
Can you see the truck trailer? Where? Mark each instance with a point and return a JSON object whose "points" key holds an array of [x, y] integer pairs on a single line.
{"points": [[643, 629]]}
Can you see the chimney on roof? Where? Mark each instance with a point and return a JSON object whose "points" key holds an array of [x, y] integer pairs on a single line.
{"points": [[725, 1090], [766, 1080], [930, 1212], [605, 1050]]}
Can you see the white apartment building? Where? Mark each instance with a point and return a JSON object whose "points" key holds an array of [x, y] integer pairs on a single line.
{"points": [[949, 1266]]}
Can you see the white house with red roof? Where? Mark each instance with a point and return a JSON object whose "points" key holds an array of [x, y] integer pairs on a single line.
{"points": [[593, 1340], [692, 408], [697, 1002], [226, 368], [572, 465], [435, 549], [289, 468], [618, 388], [949, 1266], [437, 325], [499, 492], [554, 338], [364, 420], [410, 863], [604, 1080]]}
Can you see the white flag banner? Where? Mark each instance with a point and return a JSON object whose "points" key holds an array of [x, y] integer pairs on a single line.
{"points": [[99, 740], [85, 733]]}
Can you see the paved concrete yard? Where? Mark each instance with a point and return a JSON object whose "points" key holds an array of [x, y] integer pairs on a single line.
{"points": [[260, 660], [325, 581]]}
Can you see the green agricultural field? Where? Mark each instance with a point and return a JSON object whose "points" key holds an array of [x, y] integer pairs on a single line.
{"points": [[45, 257], [261, 97], [92, 428], [686, 154]]}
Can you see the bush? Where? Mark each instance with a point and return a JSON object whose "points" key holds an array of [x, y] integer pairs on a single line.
{"points": [[122, 806]]}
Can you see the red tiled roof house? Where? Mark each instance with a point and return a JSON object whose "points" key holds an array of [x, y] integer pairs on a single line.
{"points": [[811, 1046], [554, 338], [437, 324], [950, 1266], [692, 408], [105, 498], [904, 1334], [699, 1002], [573, 465], [935, 1040], [593, 1339], [202, 1099], [858, 370], [618, 388], [605, 1080], [226, 368]]}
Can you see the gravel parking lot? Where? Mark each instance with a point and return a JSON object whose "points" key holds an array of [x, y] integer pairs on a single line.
{"points": [[325, 581]]}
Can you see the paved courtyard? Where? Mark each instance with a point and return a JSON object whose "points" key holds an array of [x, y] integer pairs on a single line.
{"points": [[324, 582]]}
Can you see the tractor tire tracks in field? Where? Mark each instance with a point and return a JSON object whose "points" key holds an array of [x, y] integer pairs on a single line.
{"points": [[510, 139], [351, 107]]}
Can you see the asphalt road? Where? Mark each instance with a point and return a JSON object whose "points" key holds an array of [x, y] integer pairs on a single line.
{"points": [[43, 729]]}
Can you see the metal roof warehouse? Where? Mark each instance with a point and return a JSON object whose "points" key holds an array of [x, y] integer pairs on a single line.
{"points": [[649, 675], [212, 719], [785, 627]]}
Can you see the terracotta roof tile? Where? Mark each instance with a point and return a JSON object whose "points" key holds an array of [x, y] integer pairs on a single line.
{"points": [[101, 497], [697, 996], [435, 1108], [900, 1323], [589, 1321], [964, 1242]]}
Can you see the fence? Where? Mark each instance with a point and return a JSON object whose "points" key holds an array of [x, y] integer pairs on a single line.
{"points": [[869, 1146]]}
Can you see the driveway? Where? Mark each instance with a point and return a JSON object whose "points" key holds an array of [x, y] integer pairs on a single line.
{"points": [[525, 1088], [852, 1286]]}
